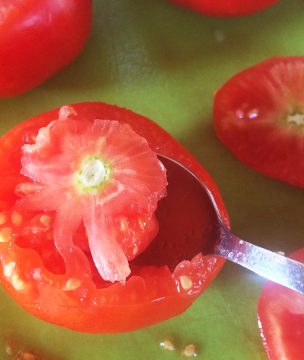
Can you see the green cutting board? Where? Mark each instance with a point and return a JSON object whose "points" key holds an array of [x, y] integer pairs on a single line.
{"points": [[166, 63]]}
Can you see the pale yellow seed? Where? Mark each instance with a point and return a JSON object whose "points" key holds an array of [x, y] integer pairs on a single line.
{"points": [[3, 218], [6, 235], [190, 351], [45, 220], [123, 225], [186, 282], [72, 284], [16, 218], [9, 349], [9, 269], [17, 283], [167, 345]]}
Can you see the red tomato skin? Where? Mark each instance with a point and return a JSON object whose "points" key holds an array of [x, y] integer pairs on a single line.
{"points": [[39, 38], [150, 296], [224, 8], [266, 146], [282, 330]]}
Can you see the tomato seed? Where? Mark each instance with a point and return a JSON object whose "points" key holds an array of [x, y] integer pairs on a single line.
{"points": [[9, 348], [6, 235], [17, 283], [186, 282], [72, 284], [9, 269], [219, 36], [16, 218], [190, 351], [45, 220], [167, 345], [3, 218]]}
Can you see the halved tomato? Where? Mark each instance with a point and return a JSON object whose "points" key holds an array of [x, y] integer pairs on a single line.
{"points": [[259, 116], [38, 38], [281, 319], [226, 8], [77, 220]]}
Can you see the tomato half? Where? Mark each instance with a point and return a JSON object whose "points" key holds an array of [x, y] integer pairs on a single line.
{"points": [[226, 8], [281, 317], [38, 38], [258, 115], [165, 278]]}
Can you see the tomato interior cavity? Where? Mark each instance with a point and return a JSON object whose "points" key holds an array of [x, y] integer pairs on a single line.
{"points": [[167, 271]]}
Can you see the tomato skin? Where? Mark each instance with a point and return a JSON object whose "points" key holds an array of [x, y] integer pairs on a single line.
{"points": [[281, 317], [226, 8], [39, 38], [151, 295], [251, 113]]}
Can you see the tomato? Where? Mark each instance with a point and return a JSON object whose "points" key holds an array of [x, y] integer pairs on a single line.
{"points": [[258, 115], [281, 318], [165, 278], [38, 38], [226, 8]]}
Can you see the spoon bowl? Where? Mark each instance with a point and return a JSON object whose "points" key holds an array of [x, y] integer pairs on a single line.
{"points": [[209, 233]]}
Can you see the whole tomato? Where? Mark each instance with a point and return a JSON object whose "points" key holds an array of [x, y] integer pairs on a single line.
{"points": [[38, 38]]}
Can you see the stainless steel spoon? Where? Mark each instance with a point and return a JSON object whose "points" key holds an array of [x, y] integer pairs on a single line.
{"points": [[222, 242]]}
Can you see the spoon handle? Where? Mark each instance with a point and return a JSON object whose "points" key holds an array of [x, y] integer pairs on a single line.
{"points": [[270, 265]]}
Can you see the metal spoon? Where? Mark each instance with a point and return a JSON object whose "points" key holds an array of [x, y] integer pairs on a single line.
{"points": [[222, 242]]}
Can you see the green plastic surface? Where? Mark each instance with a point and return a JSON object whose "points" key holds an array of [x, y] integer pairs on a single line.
{"points": [[165, 62]]}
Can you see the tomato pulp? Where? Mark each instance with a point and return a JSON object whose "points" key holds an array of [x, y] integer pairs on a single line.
{"points": [[165, 278], [281, 317], [226, 8], [38, 38], [258, 115]]}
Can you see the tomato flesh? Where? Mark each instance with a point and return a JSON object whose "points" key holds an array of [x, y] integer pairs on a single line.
{"points": [[101, 173], [281, 316], [162, 283], [33, 33], [258, 115], [226, 8]]}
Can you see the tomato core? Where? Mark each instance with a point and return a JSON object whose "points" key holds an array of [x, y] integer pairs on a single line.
{"points": [[93, 173]]}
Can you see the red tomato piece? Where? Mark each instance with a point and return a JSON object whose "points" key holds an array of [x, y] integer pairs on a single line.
{"points": [[66, 287], [39, 38], [281, 320], [258, 115], [226, 8]]}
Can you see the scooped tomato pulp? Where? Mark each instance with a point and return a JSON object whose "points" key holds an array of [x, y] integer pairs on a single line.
{"points": [[39, 38], [90, 238]]}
